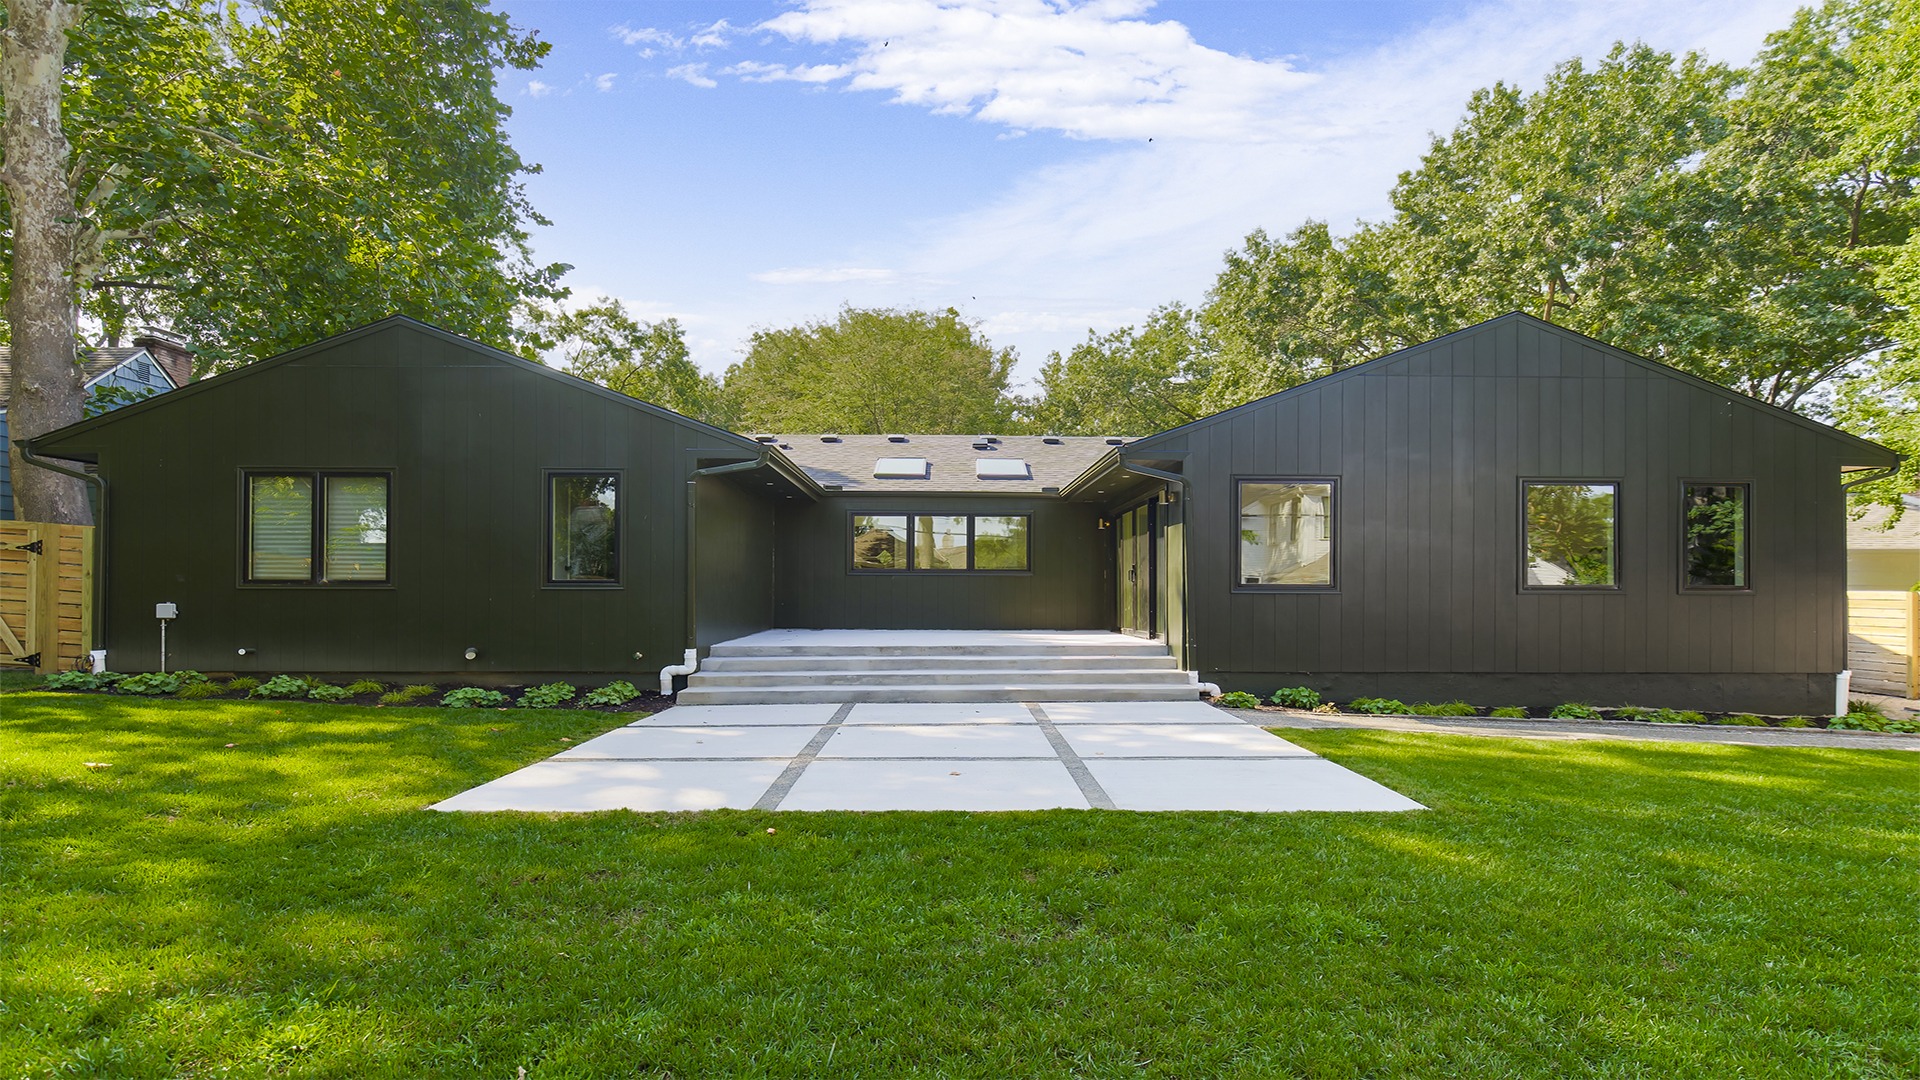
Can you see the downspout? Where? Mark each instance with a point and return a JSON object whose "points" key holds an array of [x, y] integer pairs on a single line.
{"points": [[690, 661], [1843, 683], [99, 485], [1186, 567]]}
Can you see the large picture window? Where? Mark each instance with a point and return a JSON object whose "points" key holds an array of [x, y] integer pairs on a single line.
{"points": [[316, 528], [940, 542], [1714, 535], [1572, 534], [1286, 534], [583, 539]]}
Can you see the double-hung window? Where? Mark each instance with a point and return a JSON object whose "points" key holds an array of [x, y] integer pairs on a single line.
{"points": [[930, 542], [316, 528]]}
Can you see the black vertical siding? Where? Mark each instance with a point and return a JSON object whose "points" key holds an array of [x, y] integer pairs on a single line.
{"points": [[1070, 585], [1429, 448], [468, 437], [733, 561]]}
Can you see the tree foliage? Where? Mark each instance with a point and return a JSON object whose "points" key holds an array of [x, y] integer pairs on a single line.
{"points": [[605, 344], [1126, 381], [873, 371]]}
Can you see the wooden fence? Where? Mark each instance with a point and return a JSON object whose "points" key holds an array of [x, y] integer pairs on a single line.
{"points": [[1883, 642], [46, 595]]}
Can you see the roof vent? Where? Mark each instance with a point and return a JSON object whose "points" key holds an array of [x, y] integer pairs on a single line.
{"points": [[896, 438], [1115, 442], [1012, 468], [993, 439], [1051, 440], [901, 468], [766, 438], [983, 446], [829, 438], [1049, 491]]}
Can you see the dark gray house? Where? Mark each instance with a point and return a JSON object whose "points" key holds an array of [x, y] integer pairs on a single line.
{"points": [[1512, 513]]}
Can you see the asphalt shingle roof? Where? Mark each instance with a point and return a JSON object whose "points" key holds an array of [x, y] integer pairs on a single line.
{"points": [[1866, 531], [97, 363], [848, 461]]}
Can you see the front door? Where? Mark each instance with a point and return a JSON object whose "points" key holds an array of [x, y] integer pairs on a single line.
{"points": [[1133, 540]]}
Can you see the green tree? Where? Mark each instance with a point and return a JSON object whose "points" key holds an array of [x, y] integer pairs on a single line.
{"points": [[604, 344], [1126, 381], [873, 371], [253, 177]]}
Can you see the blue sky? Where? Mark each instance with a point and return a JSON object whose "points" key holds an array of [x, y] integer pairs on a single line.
{"points": [[1046, 167]]}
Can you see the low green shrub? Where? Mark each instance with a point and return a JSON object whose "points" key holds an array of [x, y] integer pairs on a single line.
{"points": [[1904, 727], [1296, 697], [365, 686], [199, 690], [329, 692], [1870, 708], [1660, 716], [547, 696], [1574, 710], [1237, 699], [1509, 712], [474, 697], [242, 684], [80, 680], [1744, 720], [282, 687], [615, 693], [155, 683], [1870, 721], [1376, 706], [407, 695], [1444, 708], [1796, 721]]}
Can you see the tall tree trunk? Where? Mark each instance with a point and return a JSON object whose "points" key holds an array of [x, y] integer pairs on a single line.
{"points": [[42, 309]]}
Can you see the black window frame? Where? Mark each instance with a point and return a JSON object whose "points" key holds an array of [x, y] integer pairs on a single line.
{"points": [[916, 571], [1746, 538], [548, 581], [1619, 535], [1240, 584], [316, 537]]}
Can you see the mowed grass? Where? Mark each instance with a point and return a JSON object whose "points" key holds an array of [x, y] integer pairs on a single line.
{"points": [[286, 906]]}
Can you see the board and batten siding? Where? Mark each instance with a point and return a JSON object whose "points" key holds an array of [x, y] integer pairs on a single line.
{"points": [[1068, 588], [468, 437], [1429, 448]]}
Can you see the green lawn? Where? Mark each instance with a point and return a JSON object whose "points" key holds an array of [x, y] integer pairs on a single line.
{"points": [[284, 905]]}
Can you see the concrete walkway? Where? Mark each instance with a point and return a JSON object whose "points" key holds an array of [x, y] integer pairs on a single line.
{"points": [[938, 756], [1624, 730]]}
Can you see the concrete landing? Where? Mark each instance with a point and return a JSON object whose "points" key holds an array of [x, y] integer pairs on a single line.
{"points": [[943, 756]]}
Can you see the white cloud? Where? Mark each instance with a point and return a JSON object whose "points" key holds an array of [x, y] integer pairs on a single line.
{"points": [[1091, 70], [755, 71], [646, 38], [693, 73], [713, 36], [536, 88], [604, 83], [824, 275]]}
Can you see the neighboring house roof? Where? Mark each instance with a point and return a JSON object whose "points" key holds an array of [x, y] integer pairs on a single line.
{"points": [[96, 365], [847, 461], [1868, 531]]}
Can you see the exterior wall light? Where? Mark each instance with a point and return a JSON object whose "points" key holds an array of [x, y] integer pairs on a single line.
{"points": [[472, 653]]}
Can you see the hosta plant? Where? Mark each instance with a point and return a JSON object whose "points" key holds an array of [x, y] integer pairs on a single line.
{"points": [[1236, 699], [618, 692], [547, 696], [1296, 697], [474, 697]]}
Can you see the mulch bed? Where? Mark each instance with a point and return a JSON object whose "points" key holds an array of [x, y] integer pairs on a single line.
{"points": [[649, 701]]}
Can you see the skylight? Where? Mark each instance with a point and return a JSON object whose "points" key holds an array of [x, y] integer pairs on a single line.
{"points": [[900, 468], [1012, 468]]}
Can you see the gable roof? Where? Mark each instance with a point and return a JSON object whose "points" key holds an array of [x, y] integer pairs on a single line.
{"points": [[848, 460], [96, 364], [44, 443], [1869, 454]]}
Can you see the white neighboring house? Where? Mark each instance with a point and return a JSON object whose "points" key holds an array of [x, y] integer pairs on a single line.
{"points": [[1882, 559], [149, 366]]}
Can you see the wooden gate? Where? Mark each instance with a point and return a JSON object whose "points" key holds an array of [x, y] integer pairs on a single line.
{"points": [[46, 595], [1883, 642]]}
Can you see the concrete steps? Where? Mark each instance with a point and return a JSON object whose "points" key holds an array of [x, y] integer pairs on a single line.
{"points": [[958, 667]]}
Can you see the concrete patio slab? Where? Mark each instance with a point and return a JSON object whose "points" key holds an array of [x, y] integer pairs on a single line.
{"points": [[694, 742], [1175, 740], [958, 784], [1273, 784], [940, 712], [1141, 712], [574, 786], [736, 715], [940, 740]]}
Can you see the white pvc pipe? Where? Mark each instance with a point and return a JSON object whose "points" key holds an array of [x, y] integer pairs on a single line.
{"points": [[1207, 688], [687, 667], [1841, 686]]}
